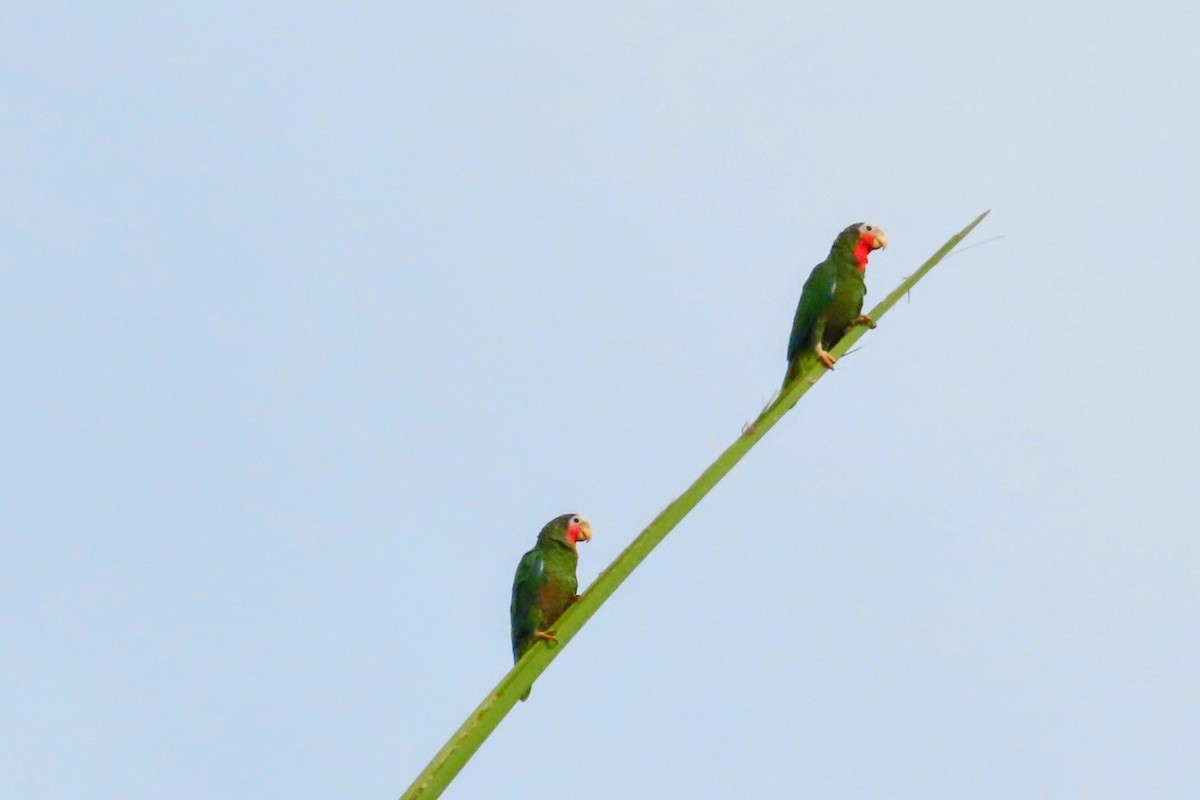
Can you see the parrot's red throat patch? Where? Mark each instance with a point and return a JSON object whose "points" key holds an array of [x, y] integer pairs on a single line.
{"points": [[862, 250], [575, 533]]}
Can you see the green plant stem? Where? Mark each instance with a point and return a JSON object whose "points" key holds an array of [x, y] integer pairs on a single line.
{"points": [[483, 720]]}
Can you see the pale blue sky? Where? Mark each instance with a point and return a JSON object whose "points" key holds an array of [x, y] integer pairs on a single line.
{"points": [[311, 316]]}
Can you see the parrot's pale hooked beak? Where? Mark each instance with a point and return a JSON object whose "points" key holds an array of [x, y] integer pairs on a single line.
{"points": [[880, 241], [585, 531]]}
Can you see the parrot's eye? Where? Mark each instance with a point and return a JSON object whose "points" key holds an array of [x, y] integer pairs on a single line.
{"points": [[868, 228], [574, 520]]}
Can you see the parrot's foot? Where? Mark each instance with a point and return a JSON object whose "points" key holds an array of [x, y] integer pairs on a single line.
{"points": [[545, 636], [825, 358], [863, 319]]}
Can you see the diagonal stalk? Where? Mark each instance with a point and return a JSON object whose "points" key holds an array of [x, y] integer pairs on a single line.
{"points": [[483, 720]]}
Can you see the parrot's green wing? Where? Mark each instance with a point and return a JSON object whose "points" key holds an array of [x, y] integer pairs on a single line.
{"points": [[809, 323], [814, 300], [526, 616]]}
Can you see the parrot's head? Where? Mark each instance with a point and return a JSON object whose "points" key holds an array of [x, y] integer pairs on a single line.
{"points": [[862, 238], [567, 529]]}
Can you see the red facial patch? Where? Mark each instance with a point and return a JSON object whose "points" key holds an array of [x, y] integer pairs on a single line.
{"points": [[866, 243], [573, 532]]}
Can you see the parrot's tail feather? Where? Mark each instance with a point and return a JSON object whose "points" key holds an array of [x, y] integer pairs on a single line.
{"points": [[793, 371]]}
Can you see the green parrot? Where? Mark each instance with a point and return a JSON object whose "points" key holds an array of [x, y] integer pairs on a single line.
{"points": [[545, 583], [832, 298]]}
